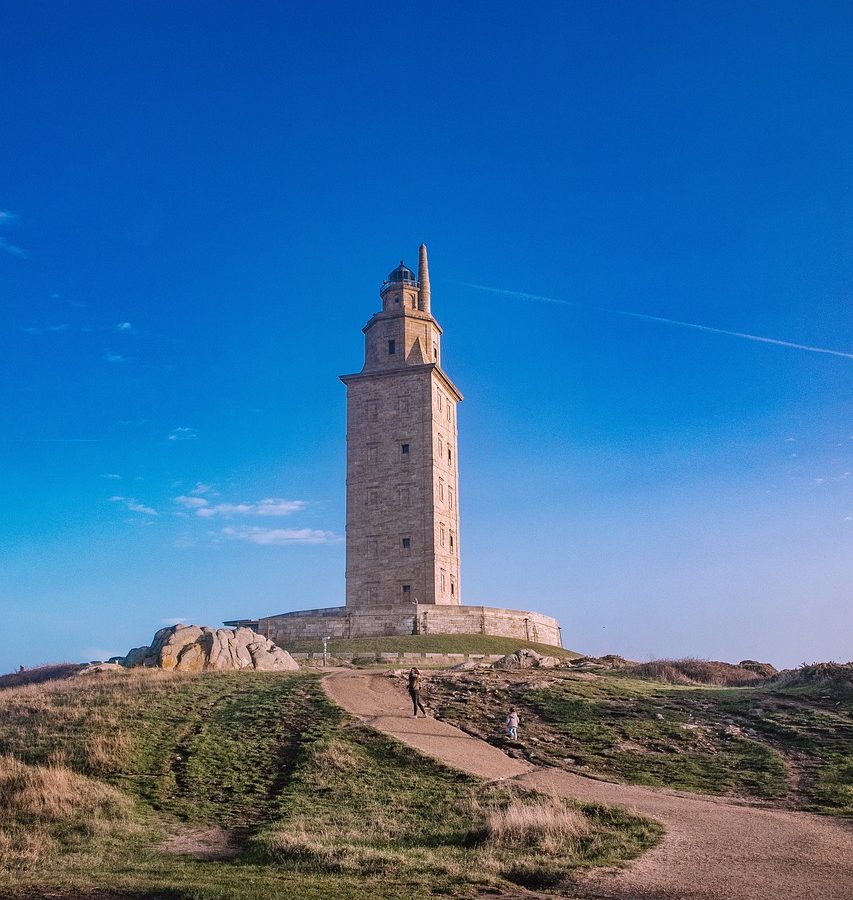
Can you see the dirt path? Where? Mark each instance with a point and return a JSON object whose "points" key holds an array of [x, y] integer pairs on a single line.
{"points": [[713, 849]]}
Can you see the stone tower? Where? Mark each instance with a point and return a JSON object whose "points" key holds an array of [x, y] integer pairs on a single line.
{"points": [[402, 466]]}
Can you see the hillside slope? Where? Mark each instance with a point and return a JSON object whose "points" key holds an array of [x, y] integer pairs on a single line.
{"points": [[251, 785]]}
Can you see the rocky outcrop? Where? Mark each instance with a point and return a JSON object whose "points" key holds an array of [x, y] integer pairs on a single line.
{"points": [[526, 659], [196, 648], [760, 668]]}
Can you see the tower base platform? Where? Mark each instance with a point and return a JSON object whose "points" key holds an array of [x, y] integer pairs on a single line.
{"points": [[379, 621]]}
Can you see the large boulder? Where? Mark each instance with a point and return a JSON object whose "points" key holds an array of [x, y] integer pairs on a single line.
{"points": [[525, 659], [196, 648]]}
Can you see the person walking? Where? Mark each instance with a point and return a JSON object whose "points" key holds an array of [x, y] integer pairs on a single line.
{"points": [[415, 682], [512, 724]]}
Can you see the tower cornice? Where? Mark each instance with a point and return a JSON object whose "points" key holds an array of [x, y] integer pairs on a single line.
{"points": [[406, 370], [382, 316]]}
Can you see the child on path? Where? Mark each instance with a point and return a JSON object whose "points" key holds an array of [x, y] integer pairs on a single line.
{"points": [[512, 723], [415, 692]]}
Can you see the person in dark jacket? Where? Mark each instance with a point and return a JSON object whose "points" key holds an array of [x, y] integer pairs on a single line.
{"points": [[415, 682]]}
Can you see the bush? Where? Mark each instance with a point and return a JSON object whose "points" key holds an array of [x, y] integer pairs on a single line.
{"points": [[695, 671]]}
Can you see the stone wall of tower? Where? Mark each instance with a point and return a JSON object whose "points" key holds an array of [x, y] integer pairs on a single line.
{"points": [[445, 493], [389, 474], [341, 622], [402, 489]]}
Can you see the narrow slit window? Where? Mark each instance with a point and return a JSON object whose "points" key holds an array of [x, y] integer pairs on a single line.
{"points": [[407, 543], [392, 348], [404, 452], [407, 589]]}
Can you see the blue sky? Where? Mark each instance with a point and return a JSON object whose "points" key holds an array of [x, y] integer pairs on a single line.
{"points": [[200, 200]]}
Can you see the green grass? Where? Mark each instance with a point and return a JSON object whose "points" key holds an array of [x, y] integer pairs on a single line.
{"points": [[321, 806], [426, 643], [793, 747]]}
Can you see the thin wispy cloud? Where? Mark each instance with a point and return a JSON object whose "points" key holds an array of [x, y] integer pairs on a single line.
{"points": [[761, 339], [111, 357], [202, 488], [124, 327], [278, 537], [51, 440], [131, 504], [49, 329], [270, 506], [9, 218], [111, 475], [190, 502], [183, 433], [14, 249], [175, 620]]}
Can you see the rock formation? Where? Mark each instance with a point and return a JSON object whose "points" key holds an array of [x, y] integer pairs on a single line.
{"points": [[196, 648], [526, 659]]}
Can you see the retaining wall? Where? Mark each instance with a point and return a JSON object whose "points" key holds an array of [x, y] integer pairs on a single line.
{"points": [[339, 622]]}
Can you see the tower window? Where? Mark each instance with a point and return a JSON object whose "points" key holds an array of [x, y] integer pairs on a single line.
{"points": [[441, 489], [443, 583], [404, 452], [452, 588], [392, 348], [372, 410], [407, 589], [414, 302], [449, 456], [451, 540], [441, 535], [373, 497], [450, 497], [407, 543]]}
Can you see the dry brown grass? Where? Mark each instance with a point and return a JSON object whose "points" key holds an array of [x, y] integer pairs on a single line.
{"points": [[39, 675], [54, 793], [107, 751], [545, 824], [695, 671], [41, 806], [837, 676], [79, 722]]}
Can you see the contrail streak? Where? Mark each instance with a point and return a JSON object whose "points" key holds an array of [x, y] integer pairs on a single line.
{"points": [[635, 315]]}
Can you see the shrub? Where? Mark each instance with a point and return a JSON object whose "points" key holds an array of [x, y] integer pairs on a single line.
{"points": [[695, 671], [546, 824]]}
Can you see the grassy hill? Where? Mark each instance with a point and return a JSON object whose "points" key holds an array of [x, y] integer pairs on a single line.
{"points": [[786, 740], [253, 785]]}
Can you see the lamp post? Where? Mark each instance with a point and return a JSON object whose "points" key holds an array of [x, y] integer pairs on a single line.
{"points": [[326, 640]]}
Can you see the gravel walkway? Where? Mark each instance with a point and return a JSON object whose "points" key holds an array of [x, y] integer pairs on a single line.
{"points": [[714, 849]]}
